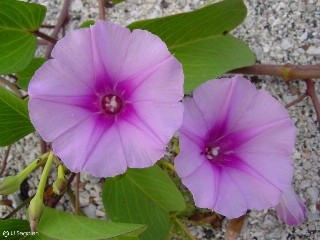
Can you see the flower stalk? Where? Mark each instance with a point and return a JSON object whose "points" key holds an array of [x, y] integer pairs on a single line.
{"points": [[37, 206], [59, 186], [12, 183]]}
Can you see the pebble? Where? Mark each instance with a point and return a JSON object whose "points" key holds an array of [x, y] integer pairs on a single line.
{"points": [[312, 50], [305, 183], [313, 194], [90, 210], [270, 221], [307, 165]]}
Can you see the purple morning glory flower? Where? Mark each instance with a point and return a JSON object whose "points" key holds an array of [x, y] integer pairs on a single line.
{"points": [[108, 100], [235, 147], [291, 209]]}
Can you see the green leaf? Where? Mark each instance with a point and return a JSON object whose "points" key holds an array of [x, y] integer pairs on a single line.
{"points": [[117, 1], [87, 24], [17, 42], [66, 226], [143, 196], [16, 229], [14, 118], [26, 74], [200, 40]]}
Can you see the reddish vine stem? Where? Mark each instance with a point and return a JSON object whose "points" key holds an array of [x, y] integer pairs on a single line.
{"points": [[47, 26], [77, 203], [60, 22], [11, 86], [45, 36], [287, 72], [102, 11], [299, 99], [311, 92], [5, 159]]}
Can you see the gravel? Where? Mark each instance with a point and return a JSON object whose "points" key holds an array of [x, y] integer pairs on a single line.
{"points": [[278, 32]]}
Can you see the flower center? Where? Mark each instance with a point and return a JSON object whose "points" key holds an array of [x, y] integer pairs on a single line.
{"points": [[212, 152], [111, 104]]}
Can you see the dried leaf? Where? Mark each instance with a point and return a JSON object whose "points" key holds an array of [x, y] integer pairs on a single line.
{"points": [[234, 227], [6, 202], [212, 218]]}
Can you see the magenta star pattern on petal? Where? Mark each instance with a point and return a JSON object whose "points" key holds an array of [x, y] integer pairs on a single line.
{"points": [[291, 209], [235, 147], [108, 100]]}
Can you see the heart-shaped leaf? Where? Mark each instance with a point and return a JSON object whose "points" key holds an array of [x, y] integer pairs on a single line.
{"points": [[143, 196], [200, 40], [67, 226], [14, 118], [17, 42]]}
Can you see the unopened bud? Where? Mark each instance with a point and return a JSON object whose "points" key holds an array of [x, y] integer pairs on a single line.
{"points": [[35, 211], [10, 184], [59, 186]]}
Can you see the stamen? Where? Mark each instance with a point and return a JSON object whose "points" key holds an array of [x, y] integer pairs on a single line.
{"points": [[212, 152], [111, 104]]}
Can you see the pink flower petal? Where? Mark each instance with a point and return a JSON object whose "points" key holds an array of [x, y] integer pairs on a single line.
{"points": [[160, 83], [204, 184], [230, 200], [105, 160], [264, 115], [134, 132], [276, 168], [75, 51], [140, 50], [190, 159], [193, 123], [291, 209], [55, 79], [93, 152], [259, 191], [48, 119], [216, 100], [155, 117]]}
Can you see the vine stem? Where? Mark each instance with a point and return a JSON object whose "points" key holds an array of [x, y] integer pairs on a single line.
{"points": [[14, 211], [299, 99], [60, 22], [311, 92], [102, 11], [5, 159], [77, 203], [183, 228], [287, 72], [45, 36], [13, 88]]}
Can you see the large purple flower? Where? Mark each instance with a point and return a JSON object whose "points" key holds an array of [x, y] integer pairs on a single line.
{"points": [[108, 100], [235, 143], [291, 209]]}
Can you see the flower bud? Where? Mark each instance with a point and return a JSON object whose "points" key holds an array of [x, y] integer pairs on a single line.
{"points": [[9, 185], [291, 209], [35, 211], [59, 186]]}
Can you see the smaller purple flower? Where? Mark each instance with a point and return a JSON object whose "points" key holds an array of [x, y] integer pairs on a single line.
{"points": [[235, 142], [291, 209]]}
